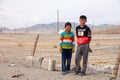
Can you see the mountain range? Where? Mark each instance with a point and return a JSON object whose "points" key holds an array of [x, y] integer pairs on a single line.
{"points": [[52, 27]]}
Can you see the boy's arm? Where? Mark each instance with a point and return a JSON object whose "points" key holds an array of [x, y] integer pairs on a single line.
{"points": [[89, 34], [73, 43], [61, 40], [89, 37]]}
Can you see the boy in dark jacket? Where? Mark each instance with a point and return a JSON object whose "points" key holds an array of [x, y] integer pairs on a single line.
{"points": [[83, 34]]}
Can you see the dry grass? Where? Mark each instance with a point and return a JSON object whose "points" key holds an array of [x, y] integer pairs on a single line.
{"points": [[15, 47], [110, 30]]}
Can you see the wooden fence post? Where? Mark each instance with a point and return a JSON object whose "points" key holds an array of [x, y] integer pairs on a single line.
{"points": [[116, 67], [35, 45]]}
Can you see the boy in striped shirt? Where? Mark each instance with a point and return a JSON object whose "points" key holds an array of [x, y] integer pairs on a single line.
{"points": [[66, 47]]}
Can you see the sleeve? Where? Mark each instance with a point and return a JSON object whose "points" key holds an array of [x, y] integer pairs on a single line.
{"points": [[89, 34], [73, 42], [76, 32], [61, 40]]}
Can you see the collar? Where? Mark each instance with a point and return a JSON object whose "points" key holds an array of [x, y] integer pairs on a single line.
{"points": [[83, 26], [67, 32]]}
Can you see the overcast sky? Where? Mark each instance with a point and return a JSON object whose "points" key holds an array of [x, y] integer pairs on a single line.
{"points": [[15, 13]]}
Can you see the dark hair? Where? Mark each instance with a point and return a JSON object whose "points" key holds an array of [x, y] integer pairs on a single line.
{"points": [[83, 17], [68, 24]]}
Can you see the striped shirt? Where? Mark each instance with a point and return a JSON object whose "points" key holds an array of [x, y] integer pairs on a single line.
{"points": [[67, 40]]}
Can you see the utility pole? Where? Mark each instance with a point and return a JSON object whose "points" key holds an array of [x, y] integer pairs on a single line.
{"points": [[93, 25], [74, 26], [15, 30], [1, 29], [58, 20], [26, 28]]}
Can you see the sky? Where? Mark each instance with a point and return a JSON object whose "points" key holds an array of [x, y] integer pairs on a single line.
{"points": [[16, 13]]}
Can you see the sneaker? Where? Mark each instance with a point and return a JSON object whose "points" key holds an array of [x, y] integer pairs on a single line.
{"points": [[82, 73], [77, 72], [63, 73], [68, 71]]}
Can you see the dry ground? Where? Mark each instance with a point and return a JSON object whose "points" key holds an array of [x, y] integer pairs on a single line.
{"points": [[15, 47]]}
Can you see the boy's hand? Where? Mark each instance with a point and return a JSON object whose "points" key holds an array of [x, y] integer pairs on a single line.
{"points": [[60, 51], [73, 50]]}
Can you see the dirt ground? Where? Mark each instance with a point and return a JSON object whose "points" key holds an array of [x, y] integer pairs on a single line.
{"points": [[15, 47]]}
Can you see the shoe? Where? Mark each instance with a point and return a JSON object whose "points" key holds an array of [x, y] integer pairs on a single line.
{"points": [[63, 73], [68, 71], [77, 72], [82, 73]]}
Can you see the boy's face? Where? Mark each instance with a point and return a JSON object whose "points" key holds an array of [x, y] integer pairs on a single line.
{"points": [[68, 28], [82, 22]]}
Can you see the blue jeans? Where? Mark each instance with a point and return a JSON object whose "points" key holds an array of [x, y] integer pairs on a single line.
{"points": [[66, 59]]}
